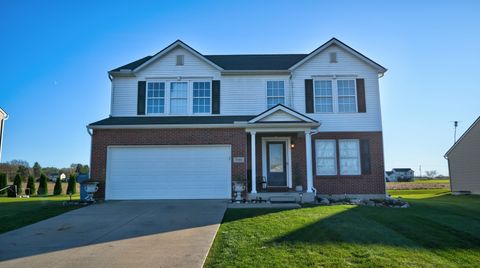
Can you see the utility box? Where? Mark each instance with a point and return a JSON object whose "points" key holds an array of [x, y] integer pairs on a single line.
{"points": [[87, 188]]}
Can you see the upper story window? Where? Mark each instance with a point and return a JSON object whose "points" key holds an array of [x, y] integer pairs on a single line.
{"points": [[347, 101], [178, 97], [335, 96], [201, 97], [275, 93], [156, 98], [349, 151], [323, 96]]}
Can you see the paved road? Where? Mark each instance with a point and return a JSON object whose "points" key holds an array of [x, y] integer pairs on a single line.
{"points": [[118, 234]]}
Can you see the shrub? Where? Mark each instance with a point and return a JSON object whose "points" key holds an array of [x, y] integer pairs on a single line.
{"points": [[30, 186], [3, 182], [43, 187], [57, 190], [72, 184], [17, 181]]}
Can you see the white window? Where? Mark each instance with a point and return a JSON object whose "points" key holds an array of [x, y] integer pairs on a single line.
{"points": [[275, 93], [178, 97], [201, 97], [326, 157], [323, 96], [155, 97], [347, 101], [349, 151]]}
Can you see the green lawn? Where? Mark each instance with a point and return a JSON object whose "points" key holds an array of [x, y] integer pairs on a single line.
{"points": [[18, 212], [438, 230]]}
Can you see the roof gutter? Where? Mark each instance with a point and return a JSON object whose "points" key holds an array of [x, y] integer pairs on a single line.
{"points": [[183, 126]]}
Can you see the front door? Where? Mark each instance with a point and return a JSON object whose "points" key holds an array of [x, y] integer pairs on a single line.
{"points": [[276, 164]]}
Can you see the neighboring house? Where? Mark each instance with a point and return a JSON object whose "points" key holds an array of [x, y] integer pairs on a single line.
{"points": [[53, 177], [464, 162], [3, 118], [184, 125], [399, 173]]}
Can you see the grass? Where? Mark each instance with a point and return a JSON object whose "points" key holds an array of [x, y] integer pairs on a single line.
{"points": [[438, 230], [18, 212]]}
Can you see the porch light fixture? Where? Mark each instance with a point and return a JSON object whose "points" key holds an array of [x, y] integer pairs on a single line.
{"points": [[292, 145]]}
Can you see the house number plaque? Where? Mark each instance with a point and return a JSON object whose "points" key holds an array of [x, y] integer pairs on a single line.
{"points": [[239, 159]]}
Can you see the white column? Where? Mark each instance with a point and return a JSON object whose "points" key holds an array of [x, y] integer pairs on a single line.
{"points": [[308, 149], [254, 173]]}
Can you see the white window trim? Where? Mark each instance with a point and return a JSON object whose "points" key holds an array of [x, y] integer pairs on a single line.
{"points": [[355, 95], [284, 93], [335, 157], [166, 111], [176, 98], [335, 103], [315, 97], [211, 97], [359, 162], [164, 98]]}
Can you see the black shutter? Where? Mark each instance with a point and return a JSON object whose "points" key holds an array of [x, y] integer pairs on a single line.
{"points": [[309, 96], [365, 156], [362, 107], [216, 97], [142, 85]]}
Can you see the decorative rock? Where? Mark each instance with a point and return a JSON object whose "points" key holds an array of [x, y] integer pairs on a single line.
{"points": [[405, 206], [324, 201]]}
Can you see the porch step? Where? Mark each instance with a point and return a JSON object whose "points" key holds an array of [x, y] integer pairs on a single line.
{"points": [[283, 199]]}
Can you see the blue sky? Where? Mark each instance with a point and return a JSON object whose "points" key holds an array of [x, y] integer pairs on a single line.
{"points": [[55, 59]]}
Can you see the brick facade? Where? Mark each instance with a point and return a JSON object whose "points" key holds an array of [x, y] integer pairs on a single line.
{"points": [[371, 184], [102, 138]]}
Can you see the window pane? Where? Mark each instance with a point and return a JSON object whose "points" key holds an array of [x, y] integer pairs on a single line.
{"points": [[349, 157], [275, 93], [155, 97], [323, 96], [201, 97], [178, 106], [325, 151], [276, 157]]}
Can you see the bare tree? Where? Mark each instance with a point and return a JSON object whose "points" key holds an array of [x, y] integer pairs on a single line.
{"points": [[431, 173]]}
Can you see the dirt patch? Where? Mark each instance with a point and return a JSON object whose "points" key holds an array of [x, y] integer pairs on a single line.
{"points": [[416, 186]]}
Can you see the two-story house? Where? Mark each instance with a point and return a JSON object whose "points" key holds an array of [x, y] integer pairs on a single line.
{"points": [[184, 125]]}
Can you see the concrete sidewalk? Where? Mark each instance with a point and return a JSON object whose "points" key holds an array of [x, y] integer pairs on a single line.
{"points": [[118, 234]]}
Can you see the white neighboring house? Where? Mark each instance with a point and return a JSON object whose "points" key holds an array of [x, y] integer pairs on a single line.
{"points": [[399, 173], [463, 162], [3, 117]]}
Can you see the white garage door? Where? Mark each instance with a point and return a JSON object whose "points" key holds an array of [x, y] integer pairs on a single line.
{"points": [[168, 172]]}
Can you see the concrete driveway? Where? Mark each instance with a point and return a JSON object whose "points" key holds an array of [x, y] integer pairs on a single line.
{"points": [[118, 234]]}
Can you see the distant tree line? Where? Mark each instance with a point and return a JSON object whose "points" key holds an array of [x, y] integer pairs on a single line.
{"points": [[19, 172]]}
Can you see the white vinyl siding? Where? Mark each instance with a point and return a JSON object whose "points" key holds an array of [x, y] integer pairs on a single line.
{"points": [[323, 96], [347, 67], [247, 95], [349, 153], [326, 157], [275, 93]]}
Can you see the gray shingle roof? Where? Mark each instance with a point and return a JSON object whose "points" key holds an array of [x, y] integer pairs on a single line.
{"points": [[170, 120], [239, 62]]}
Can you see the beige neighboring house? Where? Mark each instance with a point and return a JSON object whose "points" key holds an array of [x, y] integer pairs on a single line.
{"points": [[464, 162], [3, 117]]}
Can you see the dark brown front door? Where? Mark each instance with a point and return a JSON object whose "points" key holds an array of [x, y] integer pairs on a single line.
{"points": [[276, 164]]}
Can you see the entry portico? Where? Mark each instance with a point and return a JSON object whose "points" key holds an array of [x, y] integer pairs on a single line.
{"points": [[279, 133]]}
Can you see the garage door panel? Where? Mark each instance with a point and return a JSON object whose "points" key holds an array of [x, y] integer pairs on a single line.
{"points": [[175, 172]]}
